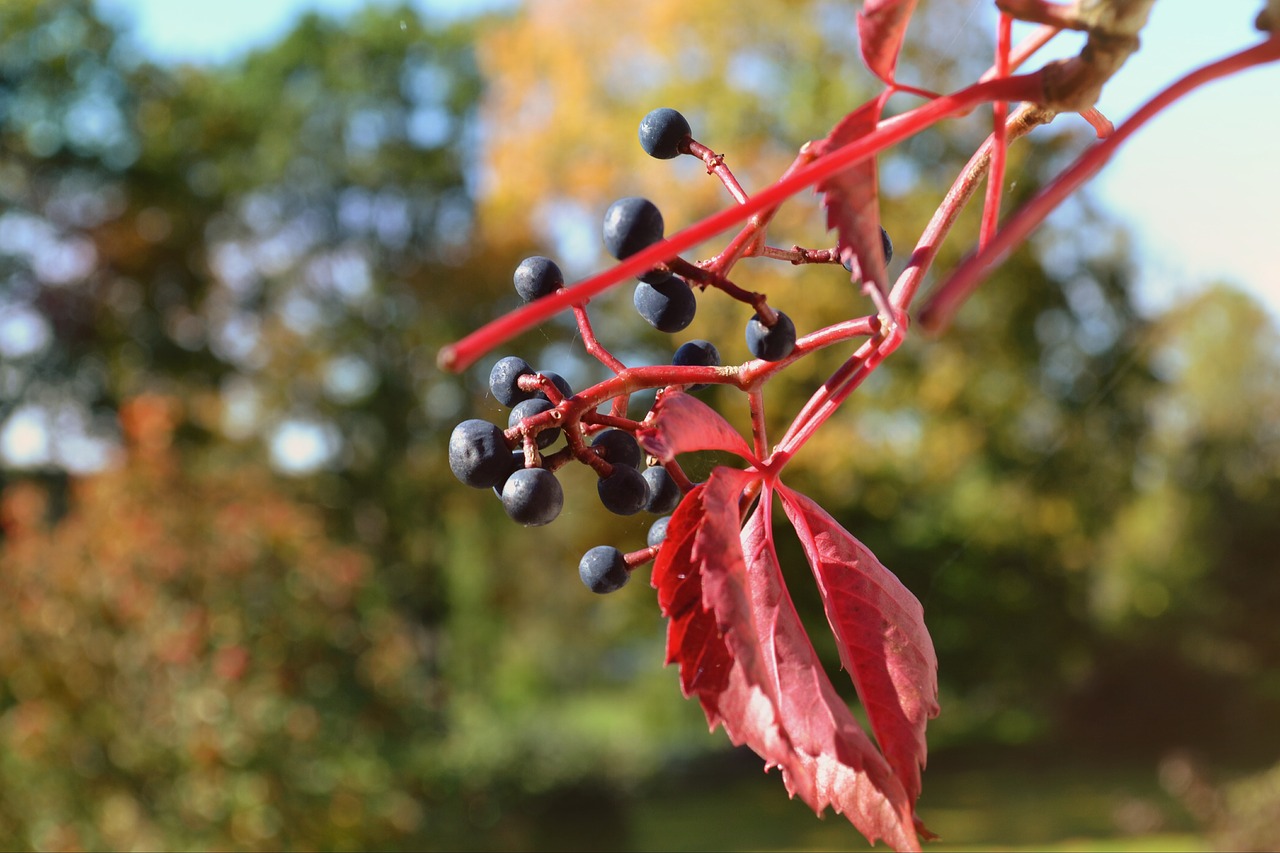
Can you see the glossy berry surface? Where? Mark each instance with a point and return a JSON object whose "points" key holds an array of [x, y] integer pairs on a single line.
{"points": [[603, 569], [664, 494], [661, 132], [529, 408], [503, 379], [697, 353], [624, 492], [532, 497], [478, 453], [771, 344], [630, 225], [537, 277], [658, 531], [619, 447], [668, 305]]}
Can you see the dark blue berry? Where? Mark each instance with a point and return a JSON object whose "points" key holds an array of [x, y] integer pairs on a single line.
{"points": [[697, 353], [537, 277], [658, 531], [630, 225], [533, 497], [620, 447], [661, 132], [668, 305], [529, 408], [664, 494], [624, 492], [771, 344], [478, 453], [603, 569], [504, 379]]}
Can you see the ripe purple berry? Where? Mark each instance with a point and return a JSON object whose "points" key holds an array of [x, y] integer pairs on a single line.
{"points": [[618, 447], [664, 494], [604, 569], [667, 305], [771, 344], [623, 492], [662, 131], [504, 379], [537, 277], [658, 531], [699, 353], [532, 497], [630, 225], [478, 453]]}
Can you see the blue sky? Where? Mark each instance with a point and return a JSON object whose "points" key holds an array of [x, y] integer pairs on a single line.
{"points": [[1198, 186]]}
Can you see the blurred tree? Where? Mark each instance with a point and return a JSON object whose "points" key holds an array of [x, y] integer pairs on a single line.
{"points": [[279, 244], [189, 659], [1190, 584]]}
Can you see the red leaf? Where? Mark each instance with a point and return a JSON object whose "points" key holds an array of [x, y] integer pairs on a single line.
{"points": [[851, 196], [701, 548], [842, 767], [881, 27], [683, 424], [744, 653], [882, 637]]}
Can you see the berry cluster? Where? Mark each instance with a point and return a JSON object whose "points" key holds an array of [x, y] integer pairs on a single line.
{"points": [[519, 464]]}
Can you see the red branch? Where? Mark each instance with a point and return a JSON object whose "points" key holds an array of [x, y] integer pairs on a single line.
{"points": [[974, 269], [1000, 112], [462, 354]]}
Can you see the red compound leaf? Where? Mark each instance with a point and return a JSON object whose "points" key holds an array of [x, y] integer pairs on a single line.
{"points": [[851, 196], [879, 626], [882, 24], [681, 423], [744, 654]]}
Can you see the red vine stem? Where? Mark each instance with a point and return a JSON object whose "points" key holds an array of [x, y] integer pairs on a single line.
{"points": [[1102, 126], [748, 240], [1024, 50], [1024, 119], [810, 417], [465, 352], [715, 166], [592, 345], [974, 269], [999, 112], [601, 353]]}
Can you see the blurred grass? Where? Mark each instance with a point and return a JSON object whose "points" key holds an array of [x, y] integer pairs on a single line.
{"points": [[1008, 807]]}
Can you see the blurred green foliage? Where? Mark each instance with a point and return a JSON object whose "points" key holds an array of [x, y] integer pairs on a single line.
{"points": [[200, 263]]}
